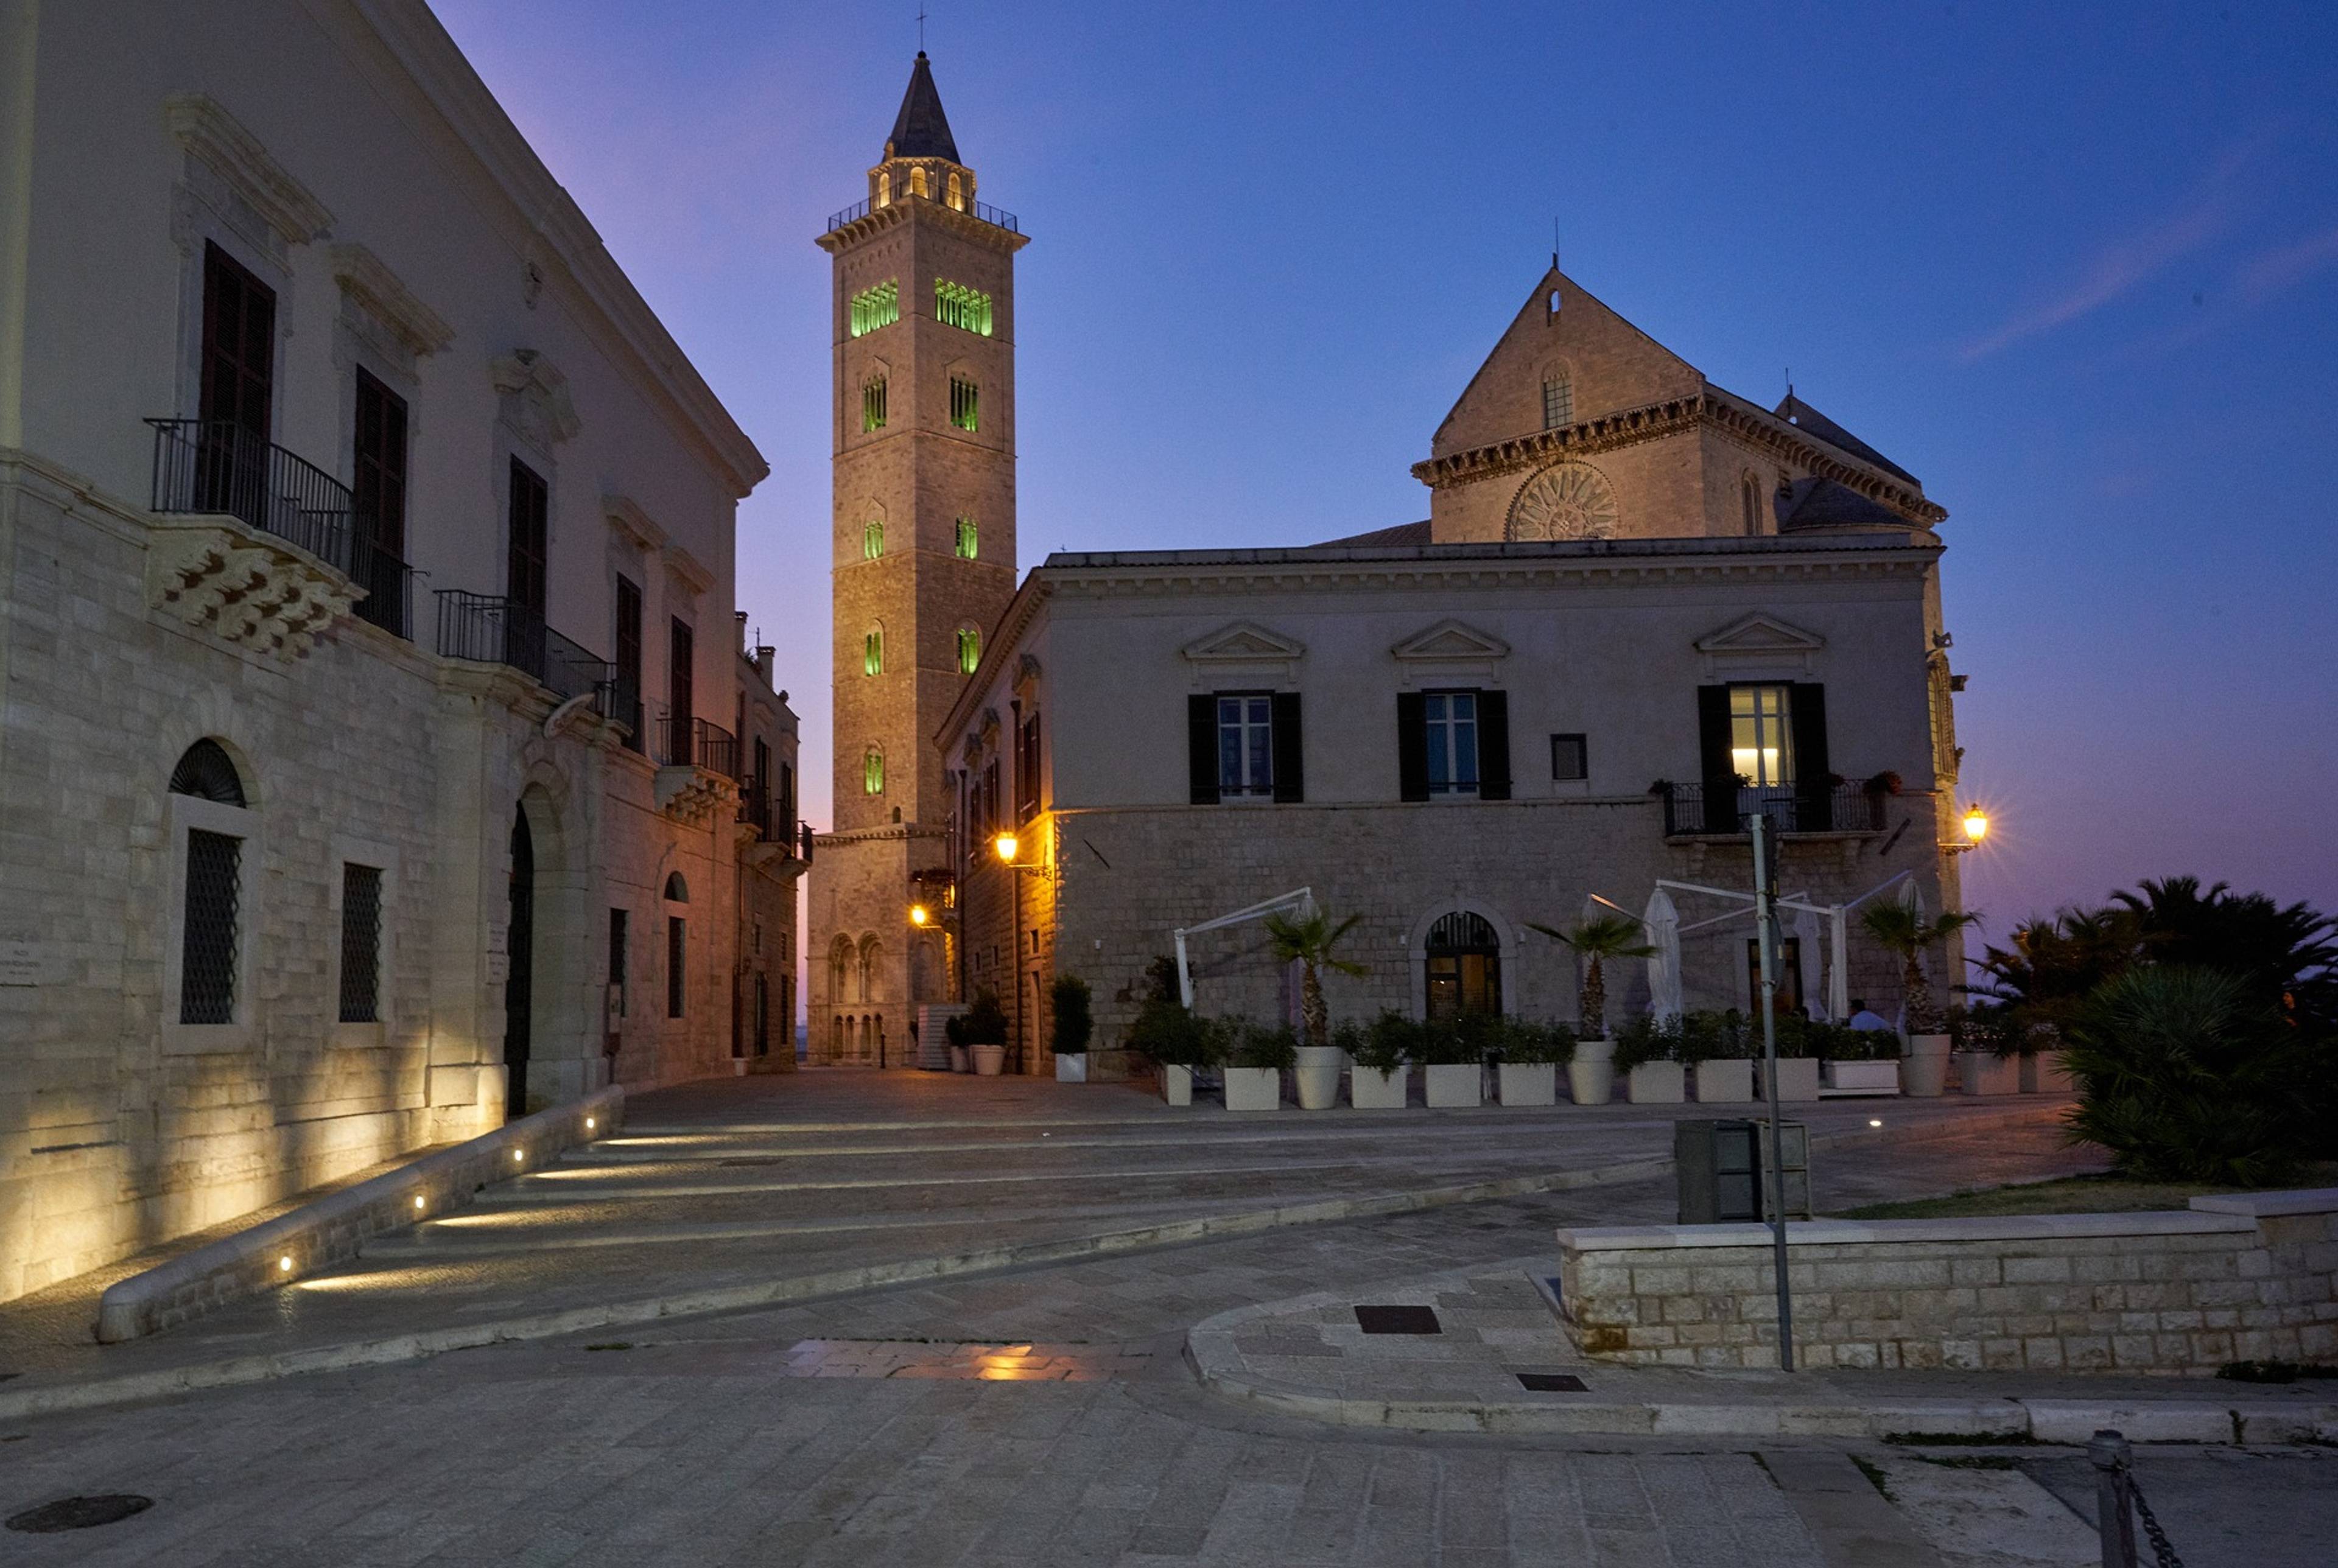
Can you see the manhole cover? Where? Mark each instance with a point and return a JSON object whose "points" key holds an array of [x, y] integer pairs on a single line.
{"points": [[79, 1513], [1551, 1383], [1398, 1320]]}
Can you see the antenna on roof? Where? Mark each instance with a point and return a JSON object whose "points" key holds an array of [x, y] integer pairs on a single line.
{"points": [[1554, 242], [1790, 383]]}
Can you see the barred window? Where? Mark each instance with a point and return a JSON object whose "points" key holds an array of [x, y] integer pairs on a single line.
{"points": [[206, 772], [873, 405], [956, 304], [877, 306], [872, 652], [207, 961], [1558, 403], [962, 403], [360, 944], [968, 539], [969, 650], [872, 771], [677, 946], [620, 930], [872, 541]]}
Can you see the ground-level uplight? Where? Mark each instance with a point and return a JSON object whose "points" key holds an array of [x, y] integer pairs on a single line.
{"points": [[518, 1155], [1875, 1121], [418, 1200], [588, 1123]]}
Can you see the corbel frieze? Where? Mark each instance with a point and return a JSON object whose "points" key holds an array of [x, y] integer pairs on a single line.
{"points": [[244, 587]]}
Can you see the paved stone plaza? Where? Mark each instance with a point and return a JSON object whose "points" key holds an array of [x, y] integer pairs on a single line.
{"points": [[1046, 1413]]}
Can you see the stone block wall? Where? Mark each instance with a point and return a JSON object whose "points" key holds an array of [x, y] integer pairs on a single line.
{"points": [[2179, 1293]]}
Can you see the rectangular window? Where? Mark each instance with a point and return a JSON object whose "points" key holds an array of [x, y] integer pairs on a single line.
{"points": [[1761, 735], [379, 480], [877, 306], [1558, 403], [1453, 725], [681, 658], [360, 944], [1245, 746], [969, 540], [529, 523], [676, 932], [872, 405], [629, 658], [956, 304], [620, 939], [207, 958], [992, 795], [1026, 771], [963, 413], [239, 352], [786, 807], [872, 541], [1570, 758]]}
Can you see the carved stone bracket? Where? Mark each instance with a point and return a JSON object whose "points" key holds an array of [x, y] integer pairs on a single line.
{"points": [[693, 796], [243, 586]]}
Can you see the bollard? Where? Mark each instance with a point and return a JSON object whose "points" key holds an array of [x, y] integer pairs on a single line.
{"points": [[2114, 1514]]}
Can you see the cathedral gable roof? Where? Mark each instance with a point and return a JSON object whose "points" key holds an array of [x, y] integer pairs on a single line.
{"points": [[1812, 423], [922, 129], [1813, 503]]}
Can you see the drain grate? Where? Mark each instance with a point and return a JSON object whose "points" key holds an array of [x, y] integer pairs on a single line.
{"points": [[1398, 1320], [79, 1513], [1551, 1383]]}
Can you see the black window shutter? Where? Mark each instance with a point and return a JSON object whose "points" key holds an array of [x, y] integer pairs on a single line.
{"points": [[1413, 746], [1493, 745], [1713, 752], [1202, 746], [1814, 777], [1290, 764]]}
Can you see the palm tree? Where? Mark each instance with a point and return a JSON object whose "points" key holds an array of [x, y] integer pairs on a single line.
{"points": [[1598, 939], [1308, 940], [1901, 930]]}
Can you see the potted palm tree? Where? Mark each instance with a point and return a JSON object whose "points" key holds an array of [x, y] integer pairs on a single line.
{"points": [[1308, 940], [1074, 1025], [1900, 930], [1591, 1075]]}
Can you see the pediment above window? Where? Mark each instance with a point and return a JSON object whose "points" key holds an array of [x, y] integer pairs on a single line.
{"points": [[209, 133], [1760, 644], [636, 526], [1242, 642], [369, 284], [1451, 640]]}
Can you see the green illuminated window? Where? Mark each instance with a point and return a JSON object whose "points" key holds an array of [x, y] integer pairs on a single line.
{"points": [[872, 541], [956, 304], [966, 540], [873, 405], [969, 650], [872, 771], [962, 403], [872, 652], [875, 307]]}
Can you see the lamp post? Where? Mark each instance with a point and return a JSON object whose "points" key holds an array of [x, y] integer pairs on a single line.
{"points": [[1766, 925], [1004, 846]]}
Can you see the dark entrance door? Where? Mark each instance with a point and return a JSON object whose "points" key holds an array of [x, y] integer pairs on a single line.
{"points": [[519, 980]]}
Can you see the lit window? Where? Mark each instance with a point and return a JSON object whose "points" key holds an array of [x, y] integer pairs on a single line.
{"points": [[957, 193], [969, 650], [360, 944], [1558, 403], [1452, 723], [917, 183], [962, 403], [967, 541], [1761, 735], [1462, 970], [956, 304], [1246, 746], [872, 652], [884, 190], [872, 771], [873, 405], [877, 306], [872, 541]]}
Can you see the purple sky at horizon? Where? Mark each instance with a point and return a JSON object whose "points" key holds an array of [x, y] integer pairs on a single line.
{"points": [[2082, 279]]}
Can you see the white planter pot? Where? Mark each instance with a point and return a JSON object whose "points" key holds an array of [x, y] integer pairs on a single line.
{"points": [[1797, 1079], [1978, 1073], [1177, 1084], [989, 1061], [1071, 1067], [1863, 1077], [1657, 1084], [1254, 1088], [1452, 1085], [1591, 1076], [1317, 1076], [958, 1064], [1924, 1070], [2047, 1073], [1530, 1083], [1722, 1082], [1373, 1091]]}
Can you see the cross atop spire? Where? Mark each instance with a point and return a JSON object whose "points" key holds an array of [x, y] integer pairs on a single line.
{"points": [[922, 129]]}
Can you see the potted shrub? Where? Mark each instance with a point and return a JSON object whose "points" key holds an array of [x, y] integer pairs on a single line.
{"points": [[1798, 1061], [1452, 1063], [1168, 1035], [1987, 1052], [1531, 1055], [954, 1031], [1902, 931], [1308, 941], [1256, 1064], [1857, 1061], [1074, 1025], [984, 1029], [1591, 1072], [2047, 1072], [1717, 1049], [1383, 1055], [1648, 1055]]}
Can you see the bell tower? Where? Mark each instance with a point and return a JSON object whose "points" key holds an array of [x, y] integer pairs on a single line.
{"points": [[923, 550]]}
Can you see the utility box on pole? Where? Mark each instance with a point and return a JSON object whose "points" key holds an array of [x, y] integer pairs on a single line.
{"points": [[1718, 1165]]}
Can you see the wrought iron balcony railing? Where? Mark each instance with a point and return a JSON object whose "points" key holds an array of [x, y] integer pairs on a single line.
{"points": [[695, 744], [996, 217], [1691, 809], [495, 630], [217, 465], [389, 583]]}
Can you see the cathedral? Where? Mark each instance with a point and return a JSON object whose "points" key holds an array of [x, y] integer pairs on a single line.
{"points": [[1641, 609]]}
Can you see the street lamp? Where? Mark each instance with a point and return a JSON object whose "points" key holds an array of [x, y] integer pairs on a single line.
{"points": [[920, 915], [1976, 823], [1006, 844]]}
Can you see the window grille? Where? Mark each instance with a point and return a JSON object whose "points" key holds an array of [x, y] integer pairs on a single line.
{"points": [[207, 773], [207, 961], [877, 306], [872, 773], [968, 539], [360, 944], [962, 403], [969, 650], [619, 931], [676, 946], [872, 654], [872, 405], [1558, 403], [956, 304], [1452, 724], [872, 541]]}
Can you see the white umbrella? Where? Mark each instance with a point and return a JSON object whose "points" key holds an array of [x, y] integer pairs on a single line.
{"points": [[1806, 948], [1662, 923]]}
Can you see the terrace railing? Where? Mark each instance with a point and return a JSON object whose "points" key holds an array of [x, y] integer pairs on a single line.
{"points": [[695, 744], [494, 630], [996, 217], [217, 465], [1693, 809]]}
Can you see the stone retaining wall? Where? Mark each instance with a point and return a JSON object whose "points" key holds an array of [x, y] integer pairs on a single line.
{"points": [[2250, 1276]]}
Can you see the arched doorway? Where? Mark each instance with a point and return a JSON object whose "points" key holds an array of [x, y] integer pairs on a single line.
{"points": [[519, 978], [1463, 966]]}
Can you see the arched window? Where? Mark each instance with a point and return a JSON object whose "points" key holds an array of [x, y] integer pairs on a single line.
{"points": [[969, 650], [1749, 493], [969, 541], [873, 405], [872, 963], [957, 193], [918, 182], [884, 190], [208, 773], [872, 652], [872, 771], [211, 857], [963, 411], [1464, 960], [839, 974], [677, 891], [872, 541]]}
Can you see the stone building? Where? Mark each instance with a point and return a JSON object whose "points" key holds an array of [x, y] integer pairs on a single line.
{"points": [[380, 753], [1641, 609], [923, 550]]}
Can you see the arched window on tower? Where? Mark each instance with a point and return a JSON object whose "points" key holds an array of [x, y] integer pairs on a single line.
{"points": [[872, 652], [1464, 967], [1749, 493], [840, 972], [884, 190], [872, 541], [872, 771], [873, 405], [969, 650], [968, 539], [958, 193], [873, 969], [918, 182]]}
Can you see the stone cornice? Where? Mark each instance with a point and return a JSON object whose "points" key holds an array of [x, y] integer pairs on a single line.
{"points": [[879, 219], [210, 132], [366, 279]]}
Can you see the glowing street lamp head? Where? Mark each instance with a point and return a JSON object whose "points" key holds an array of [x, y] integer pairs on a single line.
{"points": [[1006, 845], [1976, 824], [917, 914]]}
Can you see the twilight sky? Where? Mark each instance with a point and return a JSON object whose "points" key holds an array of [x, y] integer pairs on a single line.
{"points": [[2078, 274]]}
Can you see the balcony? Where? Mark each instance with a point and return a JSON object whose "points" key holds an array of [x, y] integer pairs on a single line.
{"points": [[1691, 812], [389, 583], [492, 631], [698, 769], [217, 466]]}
